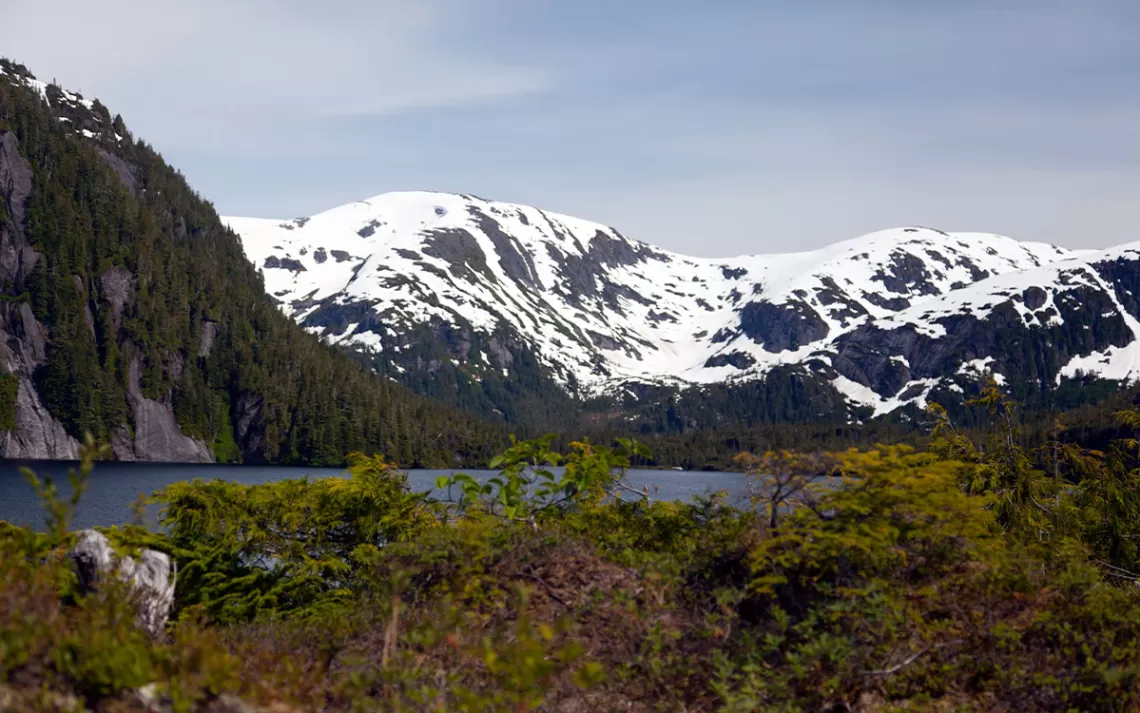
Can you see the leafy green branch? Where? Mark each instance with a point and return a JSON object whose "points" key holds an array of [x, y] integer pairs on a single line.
{"points": [[527, 486]]}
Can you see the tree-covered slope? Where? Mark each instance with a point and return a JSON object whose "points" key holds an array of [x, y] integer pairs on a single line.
{"points": [[129, 311]]}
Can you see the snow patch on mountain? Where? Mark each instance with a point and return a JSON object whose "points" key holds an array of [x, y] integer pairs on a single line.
{"points": [[71, 108], [600, 310]]}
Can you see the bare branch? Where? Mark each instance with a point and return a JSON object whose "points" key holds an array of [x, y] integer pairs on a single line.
{"points": [[621, 484], [912, 658], [1118, 571]]}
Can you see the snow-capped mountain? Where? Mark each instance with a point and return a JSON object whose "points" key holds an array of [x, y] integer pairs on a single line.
{"points": [[887, 318]]}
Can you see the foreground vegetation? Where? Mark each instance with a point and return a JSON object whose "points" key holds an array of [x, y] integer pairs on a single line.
{"points": [[963, 577]]}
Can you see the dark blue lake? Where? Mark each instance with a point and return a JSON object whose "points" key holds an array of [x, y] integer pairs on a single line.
{"points": [[114, 487]]}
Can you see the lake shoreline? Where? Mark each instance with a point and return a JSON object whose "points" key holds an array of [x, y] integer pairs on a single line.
{"points": [[113, 486], [33, 462]]}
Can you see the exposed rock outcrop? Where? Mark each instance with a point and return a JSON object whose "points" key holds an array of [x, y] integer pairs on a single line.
{"points": [[118, 288], [122, 169], [151, 576], [779, 327], [740, 360], [157, 436], [285, 263], [513, 257], [906, 274], [247, 427], [122, 445], [886, 360], [460, 250], [23, 340], [207, 333], [17, 258], [38, 434]]}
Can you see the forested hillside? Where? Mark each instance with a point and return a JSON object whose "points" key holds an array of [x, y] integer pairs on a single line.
{"points": [[130, 312]]}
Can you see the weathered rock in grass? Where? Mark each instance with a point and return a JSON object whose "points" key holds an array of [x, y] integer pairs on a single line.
{"points": [[154, 699], [151, 576]]}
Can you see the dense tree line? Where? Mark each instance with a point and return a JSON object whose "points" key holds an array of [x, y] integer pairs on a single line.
{"points": [[523, 395], [702, 426]]}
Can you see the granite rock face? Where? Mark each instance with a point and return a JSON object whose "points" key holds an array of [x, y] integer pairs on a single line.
{"points": [[117, 284], [17, 258], [38, 435], [122, 169], [157, 436], [23, 340]]}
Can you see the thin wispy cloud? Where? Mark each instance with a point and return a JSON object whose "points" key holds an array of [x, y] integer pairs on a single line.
{"points": [[713, 128], [223, 73]]}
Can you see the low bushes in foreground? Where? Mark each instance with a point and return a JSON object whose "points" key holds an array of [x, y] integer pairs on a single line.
{"points": [[964, 578]]}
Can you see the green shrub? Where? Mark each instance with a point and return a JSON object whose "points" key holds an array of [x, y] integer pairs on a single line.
{"points": [[923, 582]]}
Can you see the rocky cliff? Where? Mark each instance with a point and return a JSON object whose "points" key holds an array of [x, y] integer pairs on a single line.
{"points": [[37, 433]]}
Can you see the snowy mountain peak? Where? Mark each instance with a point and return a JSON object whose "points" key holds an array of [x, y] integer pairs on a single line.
{"points": [[599, 310]]}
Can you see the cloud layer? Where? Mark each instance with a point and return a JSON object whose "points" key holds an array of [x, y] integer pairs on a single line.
{"points": [[710, 128]]}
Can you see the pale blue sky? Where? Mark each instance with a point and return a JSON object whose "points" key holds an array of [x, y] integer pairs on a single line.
{"points": [[710, 127]]}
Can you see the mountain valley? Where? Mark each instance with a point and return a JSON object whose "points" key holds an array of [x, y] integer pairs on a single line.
{"points": [[134, 313]]}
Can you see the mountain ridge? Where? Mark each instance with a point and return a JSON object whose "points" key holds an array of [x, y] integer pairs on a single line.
{"points": [[535, 318], [602, 311]]}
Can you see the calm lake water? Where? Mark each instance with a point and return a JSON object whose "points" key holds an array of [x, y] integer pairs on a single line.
{"points": [[113, 487]]}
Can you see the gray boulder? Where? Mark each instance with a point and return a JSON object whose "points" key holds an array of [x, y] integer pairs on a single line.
{"points": [[151, 576]]}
